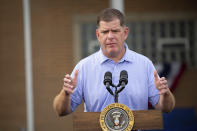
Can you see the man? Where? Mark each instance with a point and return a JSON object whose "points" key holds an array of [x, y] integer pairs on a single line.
{"points": [[86, 81]]}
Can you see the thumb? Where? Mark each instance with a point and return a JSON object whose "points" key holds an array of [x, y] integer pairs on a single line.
{"points": [[156, 76], [75, 75]]}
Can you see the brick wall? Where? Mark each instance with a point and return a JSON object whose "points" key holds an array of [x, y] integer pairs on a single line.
{"points": [[12, 86]]}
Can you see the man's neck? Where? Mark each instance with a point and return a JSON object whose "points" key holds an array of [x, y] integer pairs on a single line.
{"points": [[117, 58]]}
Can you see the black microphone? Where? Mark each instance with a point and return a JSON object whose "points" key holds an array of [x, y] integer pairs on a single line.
{"points": [[123, 80], [108, 81]]}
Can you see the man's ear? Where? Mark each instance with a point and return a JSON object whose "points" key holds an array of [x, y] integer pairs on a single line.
{"points": [[97, 33], [126, 32]]}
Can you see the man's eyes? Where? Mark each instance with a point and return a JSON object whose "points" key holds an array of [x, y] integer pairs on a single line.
{"points": [[107, 31], [104, 32], [115, 31]]}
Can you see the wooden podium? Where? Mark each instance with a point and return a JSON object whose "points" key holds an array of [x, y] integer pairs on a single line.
{"points": [[143, 120]]}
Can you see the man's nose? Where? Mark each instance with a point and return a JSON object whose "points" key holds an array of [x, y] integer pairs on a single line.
{"points": [[110, 35]]}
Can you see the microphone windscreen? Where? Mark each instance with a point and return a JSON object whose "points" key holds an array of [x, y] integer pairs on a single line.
{"points": [[107, 77], [124, 76]]}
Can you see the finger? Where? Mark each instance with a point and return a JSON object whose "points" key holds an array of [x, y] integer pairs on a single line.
{"points": [[156, 76], [162, 78], [164, 82], [66, 80], [68, 76], [75, 76], [162, 87], [66, 85]]}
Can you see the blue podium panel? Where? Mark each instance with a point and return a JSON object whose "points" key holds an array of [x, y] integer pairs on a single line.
{"points": [[180, 119]]}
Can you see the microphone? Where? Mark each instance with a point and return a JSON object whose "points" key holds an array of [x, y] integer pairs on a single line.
{"points": [[108, 81], [123, 80]]}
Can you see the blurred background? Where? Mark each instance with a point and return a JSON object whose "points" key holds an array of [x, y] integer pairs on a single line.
{"points": [[63, 32]]}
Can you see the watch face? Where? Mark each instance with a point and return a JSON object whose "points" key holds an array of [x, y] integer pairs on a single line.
{"points": [[116, 117]]}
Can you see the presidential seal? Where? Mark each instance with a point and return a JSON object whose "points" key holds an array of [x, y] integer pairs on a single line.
{"points": [[116, 117]]}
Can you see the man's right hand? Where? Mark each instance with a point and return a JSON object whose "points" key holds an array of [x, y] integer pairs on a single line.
{"points": [[70, 83]]}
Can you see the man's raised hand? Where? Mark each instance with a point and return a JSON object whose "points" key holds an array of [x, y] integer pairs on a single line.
{"points": [[161, 84], [70, 83]]}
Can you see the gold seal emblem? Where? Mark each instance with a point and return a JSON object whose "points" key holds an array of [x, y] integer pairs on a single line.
{"points": [[116, 117]]}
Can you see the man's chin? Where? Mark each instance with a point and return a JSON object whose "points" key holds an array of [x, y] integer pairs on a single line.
{"points": [[112, 53], [112, 50]]}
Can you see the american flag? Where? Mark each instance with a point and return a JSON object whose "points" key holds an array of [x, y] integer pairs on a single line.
{"points": [[172, 72]]}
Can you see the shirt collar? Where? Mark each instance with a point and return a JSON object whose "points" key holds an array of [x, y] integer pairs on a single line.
{"points": [[127, 56]]}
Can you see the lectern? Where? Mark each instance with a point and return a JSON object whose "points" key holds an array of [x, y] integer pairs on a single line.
{"points": [[144, 120]]}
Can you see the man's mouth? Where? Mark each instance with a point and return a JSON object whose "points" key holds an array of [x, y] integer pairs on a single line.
{"points": [[110, 44]]}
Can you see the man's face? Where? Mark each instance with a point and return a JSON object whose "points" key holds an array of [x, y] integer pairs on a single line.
{"points": [[111, 36]]}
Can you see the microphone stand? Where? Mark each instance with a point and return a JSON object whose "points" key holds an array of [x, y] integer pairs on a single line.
{"points": [[116, 94], [117, 91]]}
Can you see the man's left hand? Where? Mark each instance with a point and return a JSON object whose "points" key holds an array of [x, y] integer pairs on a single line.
{"points": [[161, 84]]}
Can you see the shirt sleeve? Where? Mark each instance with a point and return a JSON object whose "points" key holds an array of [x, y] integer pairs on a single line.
{"points": [[77, 96], [153, 92]]}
